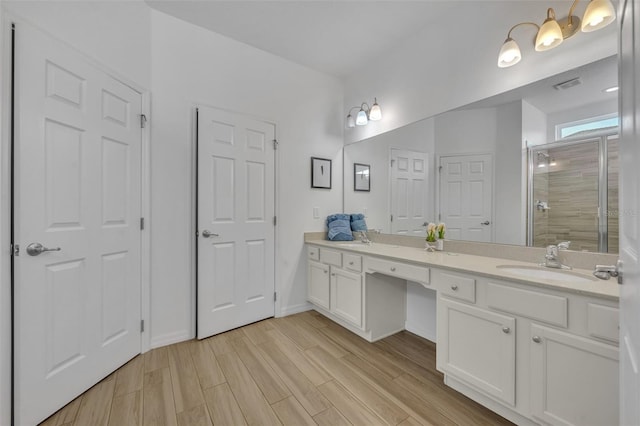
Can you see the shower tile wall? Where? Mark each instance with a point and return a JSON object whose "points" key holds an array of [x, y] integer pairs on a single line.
{"points": [[571, 190]]}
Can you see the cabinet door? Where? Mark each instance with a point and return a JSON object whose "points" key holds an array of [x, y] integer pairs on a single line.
{"points": [[318, 284], [346, 296], [478, 347], [574, 380]]}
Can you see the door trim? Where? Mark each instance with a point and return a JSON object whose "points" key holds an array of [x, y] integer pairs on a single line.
{"points": [[6, 204]]}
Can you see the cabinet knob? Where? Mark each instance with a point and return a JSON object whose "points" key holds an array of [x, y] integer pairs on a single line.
{"points": [[351, 263], [506, 330], [326, 271], [333, 275], [454, 287], [536, 339], [393, 269], [312, 253]]}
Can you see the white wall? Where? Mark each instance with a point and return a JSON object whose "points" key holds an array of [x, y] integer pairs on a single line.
{"points": [[509, 212], [471, 131], [375, 151], [191, 65], [582, 113], [113, 33], [431, 73], [534, 126]]}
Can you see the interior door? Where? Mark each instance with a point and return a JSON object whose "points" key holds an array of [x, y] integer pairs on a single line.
{"points": [[236, 230], [409, 191], [629, 146], [76, 218], [466, 196]]}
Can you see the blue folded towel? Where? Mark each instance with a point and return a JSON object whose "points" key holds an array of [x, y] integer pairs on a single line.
{"points": [[339, 228], [358, 223]]}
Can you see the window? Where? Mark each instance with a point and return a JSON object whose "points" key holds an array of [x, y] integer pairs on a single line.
{"points": [[585, 127]]}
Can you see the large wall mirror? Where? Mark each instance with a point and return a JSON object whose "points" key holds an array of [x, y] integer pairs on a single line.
{"points": [[534, 166]]}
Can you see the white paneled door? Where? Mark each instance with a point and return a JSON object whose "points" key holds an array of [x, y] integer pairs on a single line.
{"points": [[409, 192], [76, 210], [466, 196], [236, 230], [629, 146]]}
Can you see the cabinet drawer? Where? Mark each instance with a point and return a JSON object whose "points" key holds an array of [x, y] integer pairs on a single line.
{"points": [[531, 304], [400, 270], [352, 262], [331, 257], [603, 322], [313, 253], [458, 286]]}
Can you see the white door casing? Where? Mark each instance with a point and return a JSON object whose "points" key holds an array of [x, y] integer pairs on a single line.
{"points": [[629, 145], [409, 191], [466, 196], [236, 204], [78, 187]]}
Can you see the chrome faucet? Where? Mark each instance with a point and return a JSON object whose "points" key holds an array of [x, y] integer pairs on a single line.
{"points": [[364, 238], [552, 258]]}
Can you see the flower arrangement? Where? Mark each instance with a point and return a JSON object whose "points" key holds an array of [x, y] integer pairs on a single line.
{"points": [[431, 232], [441, 228]]}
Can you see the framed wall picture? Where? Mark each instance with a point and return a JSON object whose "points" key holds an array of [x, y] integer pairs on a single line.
{"points": [[361, 177], [320, 173]]}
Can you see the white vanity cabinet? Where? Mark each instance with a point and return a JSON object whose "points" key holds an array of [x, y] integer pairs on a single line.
{"points": [[531, 354], [335, 284], [574, 380], [479, 347]]}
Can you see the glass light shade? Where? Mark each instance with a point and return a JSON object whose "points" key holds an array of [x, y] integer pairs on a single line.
{"points": [[549, 35], [376, 113], [361, 118], [599, 14], [350, 122], [509, 54]]}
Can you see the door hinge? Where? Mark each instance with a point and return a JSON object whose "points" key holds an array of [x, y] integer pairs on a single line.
{"points": [[392, 161], [275, 144], [275, 296], [439, 217], [143, 121], [439, 169], [391, 218], [275, 220], [15, 250], [141, 223], [141, 326]]}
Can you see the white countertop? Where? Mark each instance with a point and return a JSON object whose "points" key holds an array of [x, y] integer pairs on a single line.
{"points": [[479, 265]]}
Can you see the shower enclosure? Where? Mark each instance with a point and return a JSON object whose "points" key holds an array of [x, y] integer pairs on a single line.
{"points": [[573, 193]]}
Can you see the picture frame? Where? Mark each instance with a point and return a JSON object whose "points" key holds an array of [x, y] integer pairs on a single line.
{"points": [[320, 173], [361, 177]]}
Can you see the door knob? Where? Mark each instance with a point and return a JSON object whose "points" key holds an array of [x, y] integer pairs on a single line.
{"points": [[486, 222], [207, 234], [34, 249]]}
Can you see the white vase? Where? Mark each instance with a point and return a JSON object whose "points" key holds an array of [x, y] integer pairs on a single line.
{"points": [[439, 245]]}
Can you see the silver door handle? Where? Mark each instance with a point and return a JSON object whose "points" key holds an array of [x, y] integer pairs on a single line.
{"points": [[207, 234], [34, 249], [486, 222]]}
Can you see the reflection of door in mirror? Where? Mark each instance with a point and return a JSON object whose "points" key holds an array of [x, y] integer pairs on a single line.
{"points": [[409, 192], [574, 194], [466, 196]]}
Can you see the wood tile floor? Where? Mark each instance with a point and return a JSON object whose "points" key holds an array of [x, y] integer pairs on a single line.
{"points": [[298, 370]]}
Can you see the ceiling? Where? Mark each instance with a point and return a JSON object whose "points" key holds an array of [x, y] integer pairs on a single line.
{"points": [[594, 78], [336, 37]]}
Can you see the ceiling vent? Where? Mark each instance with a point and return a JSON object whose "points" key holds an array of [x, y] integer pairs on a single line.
{"points": [[567, 84]]}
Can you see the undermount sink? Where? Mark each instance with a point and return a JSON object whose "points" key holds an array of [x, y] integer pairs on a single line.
{"points": [[546, 273], [361, 245]]}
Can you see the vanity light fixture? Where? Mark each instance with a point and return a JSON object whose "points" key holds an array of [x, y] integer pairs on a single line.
{"points": [[366, 114], [543, 160], [599, 14]]}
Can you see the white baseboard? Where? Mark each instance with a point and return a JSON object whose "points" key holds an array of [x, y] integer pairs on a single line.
{"points": [[295, 309], [170, 339], [422, 331]]}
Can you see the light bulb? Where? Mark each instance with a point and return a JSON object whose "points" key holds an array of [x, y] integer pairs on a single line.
{"points": [[350, 123], [361, 118], [550, 33], [509, 54], [599, 14], [376, 113]]}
